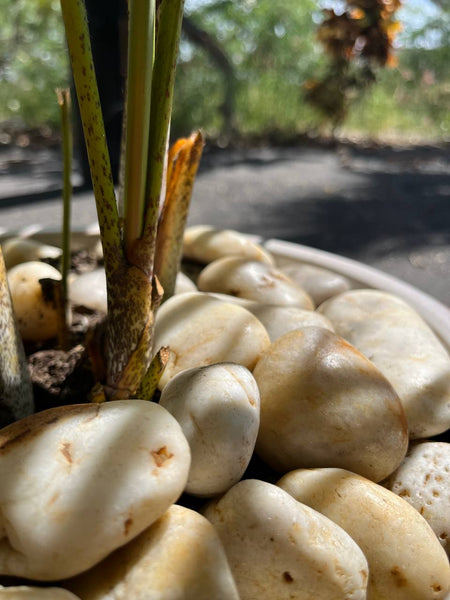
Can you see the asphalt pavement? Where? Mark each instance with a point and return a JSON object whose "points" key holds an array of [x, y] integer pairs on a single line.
{"points": [[388, 207]]}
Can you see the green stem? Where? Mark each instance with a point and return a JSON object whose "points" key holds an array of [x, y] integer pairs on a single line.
{"points": [[66, 129], [77, 34], [149, 383], [16, 392], [140, 65], [167, 42]]}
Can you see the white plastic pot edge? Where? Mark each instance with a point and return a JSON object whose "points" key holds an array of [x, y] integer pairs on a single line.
{"points": [[436, 314]]}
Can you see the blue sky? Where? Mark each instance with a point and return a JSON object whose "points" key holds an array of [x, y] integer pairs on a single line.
{"points": [[417, 12], [414, 14]]}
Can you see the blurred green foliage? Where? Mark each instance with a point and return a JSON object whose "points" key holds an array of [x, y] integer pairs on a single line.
{"points": [[273, 50], [410, 101], [33, 62]]}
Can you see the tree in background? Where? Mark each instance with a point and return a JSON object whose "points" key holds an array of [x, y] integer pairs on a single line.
{"points": [[220, 60], [270, 48], [244, 66], [358, 41]]}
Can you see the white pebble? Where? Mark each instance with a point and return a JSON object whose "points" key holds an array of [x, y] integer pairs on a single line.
{"points": [[79, 481], [280, 549], [217, 407], [36, 316], [202, 330], [253, 280]]}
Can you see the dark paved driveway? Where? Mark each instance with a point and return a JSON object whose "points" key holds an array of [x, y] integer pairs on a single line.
{"points": [[387, 207]]}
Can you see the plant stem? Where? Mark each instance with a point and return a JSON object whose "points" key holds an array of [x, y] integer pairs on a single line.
{"points": [[64, 102], [133, 293], [140, 64], [16, 392], [167, 43], [170, 14], [77, 34], [149, 384]]}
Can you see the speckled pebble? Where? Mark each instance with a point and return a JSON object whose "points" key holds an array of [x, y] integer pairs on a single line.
{"points": [[423, 480]]}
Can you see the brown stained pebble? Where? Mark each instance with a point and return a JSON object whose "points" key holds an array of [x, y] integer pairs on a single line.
{"points": [[127, 524], [161, 456], [115, 503], [65, 451], [54, 498], [404, 556], [400, 579]]}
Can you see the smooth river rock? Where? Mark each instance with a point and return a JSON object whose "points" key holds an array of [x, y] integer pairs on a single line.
{"points": [[204, 244], [406, 560], [17, 250], [253, 280], [36, 315], [180, 557], [25, 592], [398, 341], [281, 549], [79, 481], [324, 404], [201, 330], [217, 407], [320, 283]]}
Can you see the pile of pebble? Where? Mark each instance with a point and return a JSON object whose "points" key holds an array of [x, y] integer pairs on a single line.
{"points": [[292, 453]]}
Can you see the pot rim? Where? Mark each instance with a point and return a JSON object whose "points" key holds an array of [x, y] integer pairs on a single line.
{"points": [[435, 313]]}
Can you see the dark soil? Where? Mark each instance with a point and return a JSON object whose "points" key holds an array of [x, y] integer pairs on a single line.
{"points": [[60, 377], [66, 376]]}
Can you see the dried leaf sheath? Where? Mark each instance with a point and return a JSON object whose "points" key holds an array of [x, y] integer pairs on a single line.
{"points": [[184, 158]]}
